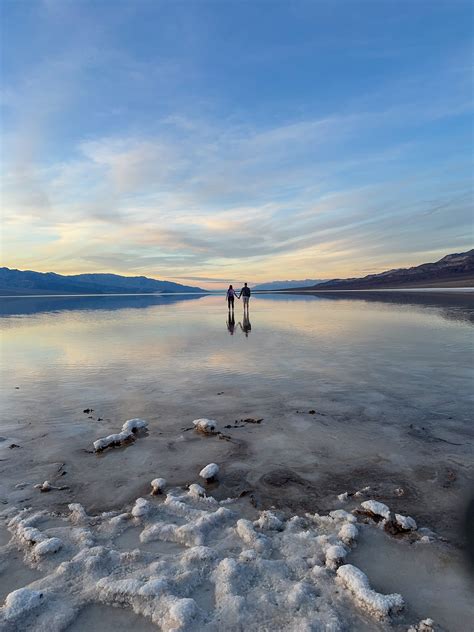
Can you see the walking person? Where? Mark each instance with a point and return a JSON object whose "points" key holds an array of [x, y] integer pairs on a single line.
{"points": [[245, 294], [231, 294]]}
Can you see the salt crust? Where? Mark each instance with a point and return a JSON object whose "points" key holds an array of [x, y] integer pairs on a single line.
{"points": [[206, 426], [273, 573], [375, 603], [209, 472], [158, 486], [376, 508], [129, 428], [405, 522], [426, 625]]}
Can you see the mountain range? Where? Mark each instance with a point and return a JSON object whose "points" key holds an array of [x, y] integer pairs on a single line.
{"points": [[455, 270], [281, 285], [22, 282]]}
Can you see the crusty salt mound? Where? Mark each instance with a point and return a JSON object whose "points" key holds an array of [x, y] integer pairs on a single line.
{"points": [[395, 524], [426, 625], [213, 568], [158, 486], [375, 509], [406, 523], [210, 472], [357, 583], [47, 487], [129, 429], [205, 426]]}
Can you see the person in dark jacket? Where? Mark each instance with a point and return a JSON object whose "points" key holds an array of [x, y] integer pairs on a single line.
{"points": [[245, 294]]}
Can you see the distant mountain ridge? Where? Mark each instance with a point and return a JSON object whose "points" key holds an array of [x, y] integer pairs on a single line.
{"points": [[21, 282], [454, 270], [280, 285]]}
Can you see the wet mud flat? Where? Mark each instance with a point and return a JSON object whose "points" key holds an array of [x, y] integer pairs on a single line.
{"points": [[422, 472]]}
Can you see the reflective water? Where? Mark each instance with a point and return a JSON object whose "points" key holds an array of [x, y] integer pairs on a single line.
{"points": [[389, 377], [126, 353]]}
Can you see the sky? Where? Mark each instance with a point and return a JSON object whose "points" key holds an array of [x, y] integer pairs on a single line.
{"points": [[210, 142]]}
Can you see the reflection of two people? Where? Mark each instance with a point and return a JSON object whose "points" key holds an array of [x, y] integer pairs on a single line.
{"points": [[245, 325]]}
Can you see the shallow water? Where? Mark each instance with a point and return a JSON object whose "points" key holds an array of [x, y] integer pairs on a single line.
{"points": [[432, 578], [14, 574], [99, 618], [130, 540]]}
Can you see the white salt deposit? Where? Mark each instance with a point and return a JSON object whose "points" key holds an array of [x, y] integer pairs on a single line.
{"points": [[44, 487], [129, 429], [272, 572], [362, 492], [358, 584], [158, 486], [24, 532], [268, 520], [209, 472], [426, 625], [335, 555], [20, 602], [348, 533], [342, 515], [134, 425], [206, 426], [141, 508], [47, 487], [196, 491], [405, 522], [375, 508]]}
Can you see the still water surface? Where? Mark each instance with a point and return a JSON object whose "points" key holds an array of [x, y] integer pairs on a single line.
{"points": [[126, 351]]}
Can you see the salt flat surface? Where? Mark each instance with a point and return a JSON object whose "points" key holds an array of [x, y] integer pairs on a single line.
{"points": [[185, 561]]}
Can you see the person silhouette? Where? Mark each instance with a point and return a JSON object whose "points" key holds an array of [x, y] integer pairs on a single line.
{"points": [[230, 295], [245, 293]]}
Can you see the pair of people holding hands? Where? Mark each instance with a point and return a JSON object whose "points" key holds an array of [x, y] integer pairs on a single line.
{"points": [[244, 293]]}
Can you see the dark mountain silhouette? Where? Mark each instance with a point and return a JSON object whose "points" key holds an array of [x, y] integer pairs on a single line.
{"points": [[21, 282], [456, 270], [280, 285]]}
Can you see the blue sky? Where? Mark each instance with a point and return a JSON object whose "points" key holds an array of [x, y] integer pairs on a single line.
{"points": [[214, 141]]}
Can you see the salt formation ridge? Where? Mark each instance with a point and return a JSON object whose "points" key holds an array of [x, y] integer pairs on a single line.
{"points": [[223, 571], [129, 429]]}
